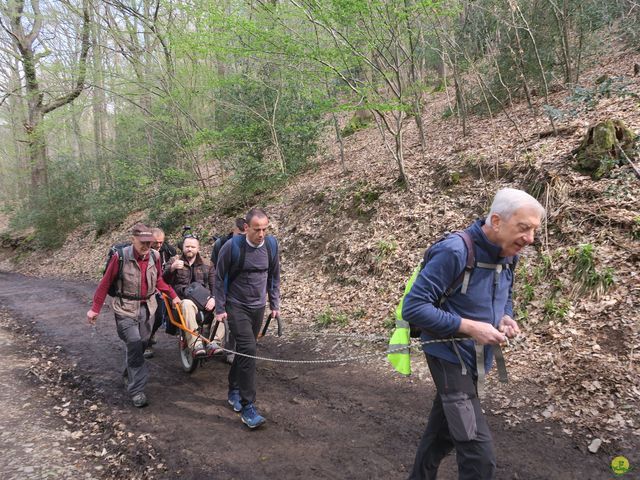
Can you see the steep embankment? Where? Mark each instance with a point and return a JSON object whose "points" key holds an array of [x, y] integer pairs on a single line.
{"points": [[350, 240]]}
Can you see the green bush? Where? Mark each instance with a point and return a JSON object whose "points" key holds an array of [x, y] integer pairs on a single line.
{"points": [[329, 318]]}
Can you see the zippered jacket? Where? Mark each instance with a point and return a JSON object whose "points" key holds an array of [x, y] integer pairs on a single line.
{"points": [[488, 296]]}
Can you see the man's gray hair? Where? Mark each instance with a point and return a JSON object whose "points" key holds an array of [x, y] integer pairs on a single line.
{"points": [[508, 200]]}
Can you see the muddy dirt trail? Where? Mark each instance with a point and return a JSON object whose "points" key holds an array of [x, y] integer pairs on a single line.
{"points": [[350, 421]]}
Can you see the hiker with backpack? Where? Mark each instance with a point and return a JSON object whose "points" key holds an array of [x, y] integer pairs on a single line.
{"points": [[181, 272], [132, 276], [248, 271], [238, 228], [166, 252], [452, 298]]}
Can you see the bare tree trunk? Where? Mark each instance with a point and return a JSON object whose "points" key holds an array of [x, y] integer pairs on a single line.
{"points": [[460, 100], [99, 104], [25, 44], [336, 126]]}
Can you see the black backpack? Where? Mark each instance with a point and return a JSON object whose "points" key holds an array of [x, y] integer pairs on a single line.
{"points": [[217, 246], [118, 248]]}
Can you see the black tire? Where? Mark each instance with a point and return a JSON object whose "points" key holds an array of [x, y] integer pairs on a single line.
{"points": [[188, 363]]}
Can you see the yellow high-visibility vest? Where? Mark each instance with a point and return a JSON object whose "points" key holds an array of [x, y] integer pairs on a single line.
{"points": [[400, 358]]}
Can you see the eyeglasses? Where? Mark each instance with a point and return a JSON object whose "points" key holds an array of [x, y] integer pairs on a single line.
{"points": [[191, 235]]}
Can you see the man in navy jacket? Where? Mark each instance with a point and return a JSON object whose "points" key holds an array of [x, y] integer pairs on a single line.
{"points": [[484, 313]]}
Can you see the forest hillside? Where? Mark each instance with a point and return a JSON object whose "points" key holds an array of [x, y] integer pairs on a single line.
{"points": [[350, 239], [366, 130]]}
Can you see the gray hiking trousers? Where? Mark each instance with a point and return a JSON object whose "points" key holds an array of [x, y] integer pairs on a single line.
{"points": [[456, 421], [135, 333]]}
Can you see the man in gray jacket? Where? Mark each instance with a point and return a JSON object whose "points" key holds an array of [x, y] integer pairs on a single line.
{"points": [[248, 271]]}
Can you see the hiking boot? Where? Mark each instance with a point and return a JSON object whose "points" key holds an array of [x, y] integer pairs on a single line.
{"points": [[148, 352], [234, 400], [139, 400], [250, 417], [199, 351]]}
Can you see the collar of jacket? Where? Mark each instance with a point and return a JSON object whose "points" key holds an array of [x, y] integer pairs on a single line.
{"points": [[483, 242]]}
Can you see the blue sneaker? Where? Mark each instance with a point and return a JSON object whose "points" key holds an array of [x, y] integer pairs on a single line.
{"points": [[234, 400], [250, 417]]}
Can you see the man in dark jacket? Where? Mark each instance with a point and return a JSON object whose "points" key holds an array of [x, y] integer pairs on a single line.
{"points": [[183, 270], [480, 309], [166, 251], [134, 304], [248, 271], [239, 226]]}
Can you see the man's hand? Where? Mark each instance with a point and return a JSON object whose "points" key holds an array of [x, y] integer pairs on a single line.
{"points": [[509, 327], [91, 317], [221, 317], [177, 265], [275, 313], [176, 302], [211, 304], [483, 333]]}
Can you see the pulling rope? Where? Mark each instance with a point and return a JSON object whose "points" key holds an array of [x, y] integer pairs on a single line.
{"points": [[344, 359], [182, 326]]}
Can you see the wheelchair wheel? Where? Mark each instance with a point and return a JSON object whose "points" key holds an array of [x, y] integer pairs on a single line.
{"points": [[189, 364]]}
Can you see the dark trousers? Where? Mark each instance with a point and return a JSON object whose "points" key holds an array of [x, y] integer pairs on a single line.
{"points": [[244, 324], [160, 316], [456, 421]]}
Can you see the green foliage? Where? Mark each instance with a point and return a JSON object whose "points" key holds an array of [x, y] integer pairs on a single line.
{"points": [[585, 270], [176, 195], [57, 211], [364, 199], [635, 229], [357, 123], [389, 323], [385, 248], [329, 318], [556, 309], [125, 191]]}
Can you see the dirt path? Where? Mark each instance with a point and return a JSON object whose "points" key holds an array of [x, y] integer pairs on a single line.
{"points": [[342, 422]]}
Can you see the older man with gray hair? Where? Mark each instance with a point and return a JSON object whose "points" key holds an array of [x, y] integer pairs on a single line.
{"points": [[479, 263]]}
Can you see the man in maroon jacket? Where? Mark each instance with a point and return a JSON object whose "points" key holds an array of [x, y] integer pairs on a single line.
{"points": [[134, 304]]}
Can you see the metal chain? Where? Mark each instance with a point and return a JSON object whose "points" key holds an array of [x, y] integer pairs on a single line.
{"points": [[345, 359], [371, 337]]}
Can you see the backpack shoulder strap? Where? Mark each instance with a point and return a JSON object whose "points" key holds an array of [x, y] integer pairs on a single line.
{"points": [[238, 250], [465, 275], [120, 252], [272, 251]]}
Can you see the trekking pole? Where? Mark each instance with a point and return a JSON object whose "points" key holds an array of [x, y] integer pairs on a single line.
{"points": [[266, 326]]}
